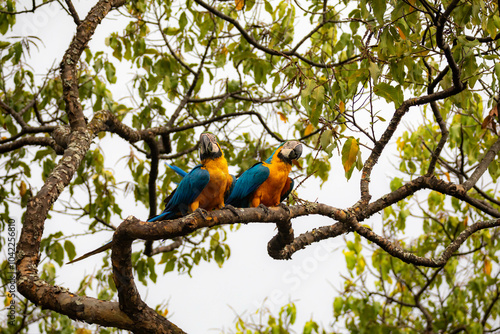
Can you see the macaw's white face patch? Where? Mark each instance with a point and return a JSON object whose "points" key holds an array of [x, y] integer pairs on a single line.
{"points": [[292, 150], [209, 145]]}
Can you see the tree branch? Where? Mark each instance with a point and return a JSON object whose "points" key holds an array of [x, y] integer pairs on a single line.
{"points": [[146, 320], [284, 237], [179, 60], [27, 141], [69, 76], [437, 115], [483, 165], [487, 313], [440, 22], [409, 257], [176, 243], [73, 12], [32, 10], [267, 50]]}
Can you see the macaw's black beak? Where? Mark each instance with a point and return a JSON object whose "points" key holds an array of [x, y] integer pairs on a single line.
{"points": [[209, 147], [296, 152], [205, 143]]}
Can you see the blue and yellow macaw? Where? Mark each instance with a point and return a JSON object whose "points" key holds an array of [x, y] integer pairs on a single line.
{"points": [[204, 187], [266, 182]]}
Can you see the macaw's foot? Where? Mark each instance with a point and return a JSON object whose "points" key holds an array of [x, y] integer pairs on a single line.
{"points": [[265, 208], [232, 209], [284, 207], [201, 212]]}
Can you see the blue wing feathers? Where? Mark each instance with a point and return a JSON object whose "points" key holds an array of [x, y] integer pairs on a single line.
{"points": [[246, 184], [188, 190]]}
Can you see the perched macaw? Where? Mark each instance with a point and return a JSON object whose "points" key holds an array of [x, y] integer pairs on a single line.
{"points": [[179, 171], [205, 187], [266, 182]]}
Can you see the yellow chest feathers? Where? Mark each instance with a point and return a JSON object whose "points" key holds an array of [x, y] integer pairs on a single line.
{"points": [[269, 192], [212, 196]]}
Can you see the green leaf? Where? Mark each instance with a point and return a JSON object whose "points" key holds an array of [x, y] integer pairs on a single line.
{"points": [[57, 253], [350, 259], [183, 21], [396, 183], [326, 138], [268, 7], [151, 267], [310, 326], [219, 255], [374, 72], [110, 72], [389, 93], [379, 7], [70, 249], [338, 303]]}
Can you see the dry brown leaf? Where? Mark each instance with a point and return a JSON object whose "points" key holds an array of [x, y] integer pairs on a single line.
{"points": [[239, 4], [282, 117], [487, 267], [22, 189], [342, 106], [491, 116], [309, 130], [401, 33]]}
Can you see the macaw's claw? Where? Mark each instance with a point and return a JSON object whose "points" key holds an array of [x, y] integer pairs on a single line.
{"points": [[232, 209], [284, 207], [201, 212], [265, 208]]}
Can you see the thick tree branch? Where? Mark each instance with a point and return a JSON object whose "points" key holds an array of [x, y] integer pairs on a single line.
{"points": [[425, 182], [28, 130], [308, 238], [132, 135], [284, 237], [69, 76], [27, 258], [146, 320]]}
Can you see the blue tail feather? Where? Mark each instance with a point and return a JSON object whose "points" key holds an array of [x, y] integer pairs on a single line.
{"points": [[178, 170]]}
